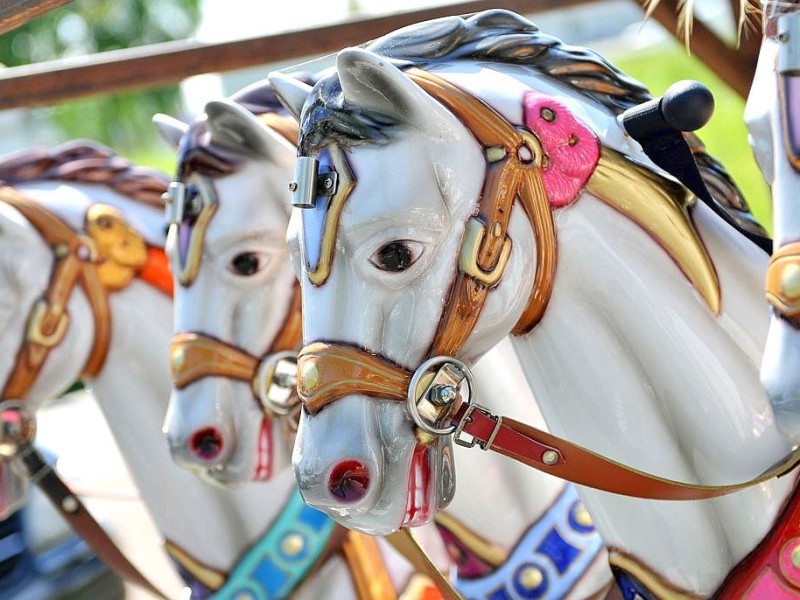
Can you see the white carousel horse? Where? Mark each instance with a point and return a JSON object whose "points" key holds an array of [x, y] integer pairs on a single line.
{"points": [[247, 309], [485, 186], [772, 118], [225, 541], [237, 319]]}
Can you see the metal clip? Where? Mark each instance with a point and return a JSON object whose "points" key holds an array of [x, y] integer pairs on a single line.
{"points": [[276, 382], [35, 333], [433, 394], [309, 183], [789, 44], [470, 248], [174, 201], [473, 441]]}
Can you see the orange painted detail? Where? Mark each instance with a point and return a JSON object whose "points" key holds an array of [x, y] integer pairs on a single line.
{"points": [[156, 271]]}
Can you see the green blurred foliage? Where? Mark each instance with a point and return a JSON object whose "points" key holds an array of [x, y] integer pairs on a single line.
{"points": [[90, 26], [725, 135]]}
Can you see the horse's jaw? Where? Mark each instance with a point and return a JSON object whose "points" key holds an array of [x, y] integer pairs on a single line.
{"points": [[360, 462]]}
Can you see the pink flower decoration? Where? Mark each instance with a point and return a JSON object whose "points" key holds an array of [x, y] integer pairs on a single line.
{"points": [[572, 149]]}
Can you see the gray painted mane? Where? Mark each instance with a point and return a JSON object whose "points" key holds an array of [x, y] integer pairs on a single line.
{"points": [[495, 36]]}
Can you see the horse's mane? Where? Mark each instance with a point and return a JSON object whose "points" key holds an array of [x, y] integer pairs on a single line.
{"points": [[82, 161], [502, 37], [198, 152]]}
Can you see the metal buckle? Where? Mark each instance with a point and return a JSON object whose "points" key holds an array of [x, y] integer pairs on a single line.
{"points": [[35, 334], [432, 395], [473, 441], [17, 428], [276, 382], [789, 44], [470, 248], [174, 202], [308, 182]]}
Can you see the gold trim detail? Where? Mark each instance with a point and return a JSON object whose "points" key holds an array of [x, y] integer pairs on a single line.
{"points": [[485, 550], [655, 584], [211, 578], [320, 275], [364, 560], [121, 251], [187, 272], [659, 206], [470, 248], [782, 282]]}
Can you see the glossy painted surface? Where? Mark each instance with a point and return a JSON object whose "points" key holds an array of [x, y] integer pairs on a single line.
{"points": [[781, 360], [526, 497], [133, 387], [628, 360]]}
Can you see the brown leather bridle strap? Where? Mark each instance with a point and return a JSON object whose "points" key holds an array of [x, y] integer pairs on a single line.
{"points": [[194, 356], [515, 160], [328, 372], [75, 264]]}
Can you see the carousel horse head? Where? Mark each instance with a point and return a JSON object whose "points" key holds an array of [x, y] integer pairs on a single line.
{"points": [[773, 121], [434, 167], [231, 358], [67, 243]]}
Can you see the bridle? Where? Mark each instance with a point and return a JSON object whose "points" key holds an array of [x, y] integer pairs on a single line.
{"points": [[80, 260], [328, 372], [194, 355]]}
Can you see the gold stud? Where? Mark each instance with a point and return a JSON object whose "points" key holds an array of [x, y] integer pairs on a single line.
{"points": [[550, 457], [497, 229], [531, 578], [795, 557], [790, 281], [548, 114], [309, 375], [582, 516], [292, 544], [495, 153], [177, 359]]}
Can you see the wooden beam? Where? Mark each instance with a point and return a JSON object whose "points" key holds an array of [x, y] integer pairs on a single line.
{"points": [[160, 64], [14, 13], [735, 66]]}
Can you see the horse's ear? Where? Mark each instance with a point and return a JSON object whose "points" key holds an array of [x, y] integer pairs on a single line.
{"points": [[234, 127], [171, 129], [290, 91], [370, 81]]}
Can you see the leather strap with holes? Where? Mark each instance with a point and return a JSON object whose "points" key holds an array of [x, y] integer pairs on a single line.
{"points": [[74, 266], [340, 370]]}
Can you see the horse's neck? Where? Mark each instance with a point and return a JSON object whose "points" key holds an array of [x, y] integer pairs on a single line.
{"points": [[70, 200], [630, 362]]}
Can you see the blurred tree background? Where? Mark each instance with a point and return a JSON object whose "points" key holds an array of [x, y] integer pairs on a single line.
{"points": [[121, 121]]}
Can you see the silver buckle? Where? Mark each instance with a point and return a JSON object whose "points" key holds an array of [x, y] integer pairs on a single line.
{"points": [[473, 441], [276, 381], [440, 396]]}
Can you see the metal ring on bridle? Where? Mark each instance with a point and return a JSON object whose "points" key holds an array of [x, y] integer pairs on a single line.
{"points": [[265, 378], [412, 398]]}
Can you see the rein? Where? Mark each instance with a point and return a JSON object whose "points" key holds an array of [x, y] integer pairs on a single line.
{"points": [[81, 259], [328, 372]]}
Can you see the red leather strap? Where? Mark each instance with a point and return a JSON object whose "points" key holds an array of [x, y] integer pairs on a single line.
{"points": [[550, 454]]}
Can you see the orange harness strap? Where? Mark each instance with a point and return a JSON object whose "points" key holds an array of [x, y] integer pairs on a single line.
{"points": [[75, 264]]}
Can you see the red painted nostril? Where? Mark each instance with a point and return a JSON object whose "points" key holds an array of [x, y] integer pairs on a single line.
{"points": [[349, 481], [206, 444]]}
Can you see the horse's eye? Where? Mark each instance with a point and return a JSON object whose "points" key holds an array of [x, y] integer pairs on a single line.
{"points": [[247, 263], [396, 256]]}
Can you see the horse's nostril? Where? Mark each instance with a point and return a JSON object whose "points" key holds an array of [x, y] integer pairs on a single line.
{"points": [[206, 444], [349, 481]]}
